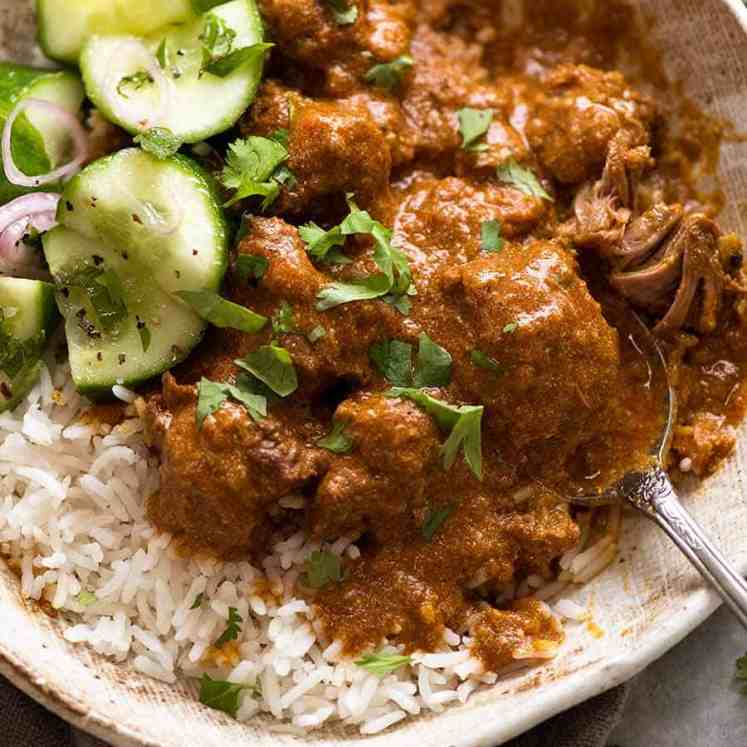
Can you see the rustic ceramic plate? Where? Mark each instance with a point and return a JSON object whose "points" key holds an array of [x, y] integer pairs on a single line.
{"points": [[644, 604]]}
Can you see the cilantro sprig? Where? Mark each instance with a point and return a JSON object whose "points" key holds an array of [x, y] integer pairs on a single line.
{"points": [[322, 568], [393, 360], [212, 395], [490, 236], [254, 168], [224, 696], [389, 75], [462, 422], [223, 313], [522, 178], [473, 126], [382, 664], [273, 366], [338, 441], [233, 628]]}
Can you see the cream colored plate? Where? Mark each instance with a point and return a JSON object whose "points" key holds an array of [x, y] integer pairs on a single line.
{"points": [[645, 603]]}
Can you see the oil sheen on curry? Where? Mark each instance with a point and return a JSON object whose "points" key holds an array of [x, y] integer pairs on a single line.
{"points": [[453, 270]]}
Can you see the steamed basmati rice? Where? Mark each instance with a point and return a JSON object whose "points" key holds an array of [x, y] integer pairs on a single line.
{"points": [[72, 518]]}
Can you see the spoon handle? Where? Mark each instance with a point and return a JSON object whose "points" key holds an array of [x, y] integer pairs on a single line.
{"points": [[656, 497]]}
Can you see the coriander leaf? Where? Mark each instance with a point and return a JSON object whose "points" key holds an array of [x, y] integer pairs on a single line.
{"points": [[401, 303], [86, 598], [316, 334], [283, 322], [160, 141], [466, 434], [198, 601], [433, 364], [220, 695], [105, 293], [203, 6], [337, 441], [382, 664], [393, 360], [490, 236], [281, 135], [144, 332], [510, 328], [233, 628], [482, 360], [250, 168], [245, 392], [273, 366], [463, 422], [136, 81], [344, 13], [522, 178], [335, 294], [473, 124], [228, 64], [251, 266], [223, 313], [210, 398], [162, 54], [212, 395], [318, 241], [321, 568], [217, 39], [435, 520], [388, 75]]}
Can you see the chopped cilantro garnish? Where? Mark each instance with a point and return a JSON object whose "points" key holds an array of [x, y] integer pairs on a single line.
{"points": [[393, 359], [510, 328], [482, 360], [160, 141], [395, 277], [273, 366], [86, 598], [251, 169], [233, 628], [522, 178], [283, 322], [382, 664], [250, 266], [103, 289], [316, 334], [144, 332], [435, 520], [220, 695], [217, 39], [212, 395], [231, 62], [344, 12], [223, 313], [322, 568], [388, 75], [490, 236], [337, 441], [198, 601], [473, 125], [136, 81], [463, 422]]}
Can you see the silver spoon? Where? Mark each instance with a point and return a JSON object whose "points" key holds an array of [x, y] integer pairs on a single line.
{"points": [[652, 493]]}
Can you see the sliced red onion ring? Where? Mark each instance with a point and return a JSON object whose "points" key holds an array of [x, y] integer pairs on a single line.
{"points": [[77, 132], [124, 108], [37, 210]]}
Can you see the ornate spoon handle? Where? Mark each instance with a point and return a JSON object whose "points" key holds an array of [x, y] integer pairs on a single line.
{"points": [[655, 496]]}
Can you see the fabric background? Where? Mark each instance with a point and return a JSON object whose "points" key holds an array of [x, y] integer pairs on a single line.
{"points": [[24, 723]]}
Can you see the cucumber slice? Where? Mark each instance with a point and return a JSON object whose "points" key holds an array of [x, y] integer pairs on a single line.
{"points": [[64, 25], [199, 104], [27, 317], [134, 230], [39, 143]]}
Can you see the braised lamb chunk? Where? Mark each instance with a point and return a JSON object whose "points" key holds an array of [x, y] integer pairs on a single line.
{"points": [[706, 442], [575, 116], [334, 147], [307, 32], [395, 449], [219, 481], [531, 313], [292, 282]]}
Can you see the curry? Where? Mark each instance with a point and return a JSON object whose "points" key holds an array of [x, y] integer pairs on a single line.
{"points": [[533, 200]]}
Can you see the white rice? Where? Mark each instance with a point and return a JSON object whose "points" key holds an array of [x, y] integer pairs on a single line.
{"points": [[72, 518]]}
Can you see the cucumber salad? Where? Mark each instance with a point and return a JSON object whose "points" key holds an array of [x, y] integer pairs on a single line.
{"points": [[106, 244]]}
